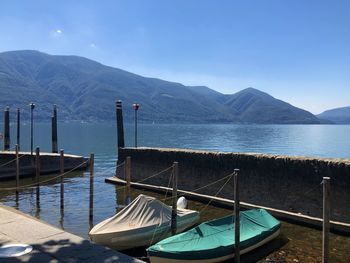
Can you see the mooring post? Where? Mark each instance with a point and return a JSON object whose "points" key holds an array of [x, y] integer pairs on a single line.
{"points": [[54, 130], [120, 125], [128, 178], [237, 219], [326, 216], [37, 164], [136, 107], [37, 174], [91, 206], [120, 130], [18, 128], [17, 169], [174, 195], [32, 106], [62, 179], [7, 129]]}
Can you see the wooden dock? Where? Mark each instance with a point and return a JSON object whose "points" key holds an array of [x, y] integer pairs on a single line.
{"points": [[49, 163], [335, 226], [51, 244]]}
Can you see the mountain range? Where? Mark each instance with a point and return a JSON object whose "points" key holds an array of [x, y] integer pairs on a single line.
{"points": [[338, 115], [86, 90]]}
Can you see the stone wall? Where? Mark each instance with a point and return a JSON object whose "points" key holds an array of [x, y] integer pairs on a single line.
{"points": [[49, 163], [281, 182]]}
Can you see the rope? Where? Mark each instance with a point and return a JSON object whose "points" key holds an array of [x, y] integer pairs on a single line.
{"points": [[104, 171], [306, 193], [98, 172], [44, 181], [170, 197], [163, 205], [119, 165], [165, 170], [149, 177], [202, 187], [4, 164], [222, 187]]}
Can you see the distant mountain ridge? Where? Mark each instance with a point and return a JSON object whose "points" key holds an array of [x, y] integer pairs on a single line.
{"points": [[86, 90], [337, 115]]}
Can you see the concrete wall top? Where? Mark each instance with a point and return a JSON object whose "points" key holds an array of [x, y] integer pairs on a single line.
{"points": [[344, 161]]}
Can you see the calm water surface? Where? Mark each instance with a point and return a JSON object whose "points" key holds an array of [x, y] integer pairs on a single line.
{"points": [[297, 244]]}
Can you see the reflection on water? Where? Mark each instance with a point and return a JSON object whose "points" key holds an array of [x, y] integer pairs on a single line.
{"points": [[86, 138], [295, 244]]}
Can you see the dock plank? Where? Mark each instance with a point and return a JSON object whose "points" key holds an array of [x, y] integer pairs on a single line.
{"points": [[51, 244]]}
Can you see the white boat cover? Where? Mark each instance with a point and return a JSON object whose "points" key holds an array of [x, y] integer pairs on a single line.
{"points": [[143, 222]]}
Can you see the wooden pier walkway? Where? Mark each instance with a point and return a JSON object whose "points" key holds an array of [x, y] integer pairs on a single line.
{"points": [[51, 244]]}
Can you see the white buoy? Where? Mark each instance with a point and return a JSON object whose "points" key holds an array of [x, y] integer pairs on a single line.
{"points": [[14, 250], [182, 202]]}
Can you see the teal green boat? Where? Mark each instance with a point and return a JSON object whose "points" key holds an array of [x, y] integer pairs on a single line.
{"points": [[213, 241]]}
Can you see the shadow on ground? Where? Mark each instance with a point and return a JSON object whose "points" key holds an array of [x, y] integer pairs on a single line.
{"points": [[66, 251]]}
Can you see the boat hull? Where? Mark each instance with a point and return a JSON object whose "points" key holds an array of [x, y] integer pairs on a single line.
{"points": [[141, 223], [141, 237], [217, 259], [213, 241]]}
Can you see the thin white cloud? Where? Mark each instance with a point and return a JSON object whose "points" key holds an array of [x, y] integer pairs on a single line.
{"points": [[92, 45], [56, 33]]}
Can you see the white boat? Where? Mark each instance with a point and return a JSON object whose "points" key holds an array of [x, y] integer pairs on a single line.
{"points": [[143, 222]]}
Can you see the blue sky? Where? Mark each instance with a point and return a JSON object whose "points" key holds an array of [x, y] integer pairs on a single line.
{"points": [[298, 51]]}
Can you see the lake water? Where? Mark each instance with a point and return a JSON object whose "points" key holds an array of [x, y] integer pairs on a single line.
{"points": [[306, 140], [83, 138]]}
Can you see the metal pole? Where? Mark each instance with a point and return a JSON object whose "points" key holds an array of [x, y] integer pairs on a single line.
{"points": [[17, 169], [174, 199], [18, 128], [62, 185], [326, 216], [237, 219], [7, 129], [91, 206]]}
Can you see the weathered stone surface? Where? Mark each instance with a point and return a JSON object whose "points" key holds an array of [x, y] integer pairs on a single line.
{"points": [[51, 244], [282, 182], [49, 163]]}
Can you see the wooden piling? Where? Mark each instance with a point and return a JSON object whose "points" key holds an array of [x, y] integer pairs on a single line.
{"points": [[174, 199], [91, 205], [37, 164], [32, 106], [120, 125], [18, 128], [237, 219], [54, 130], [128, 178], [136, 107], [17, 169], [37, 174], [7, 129], [326, 216], [62, 179]]}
